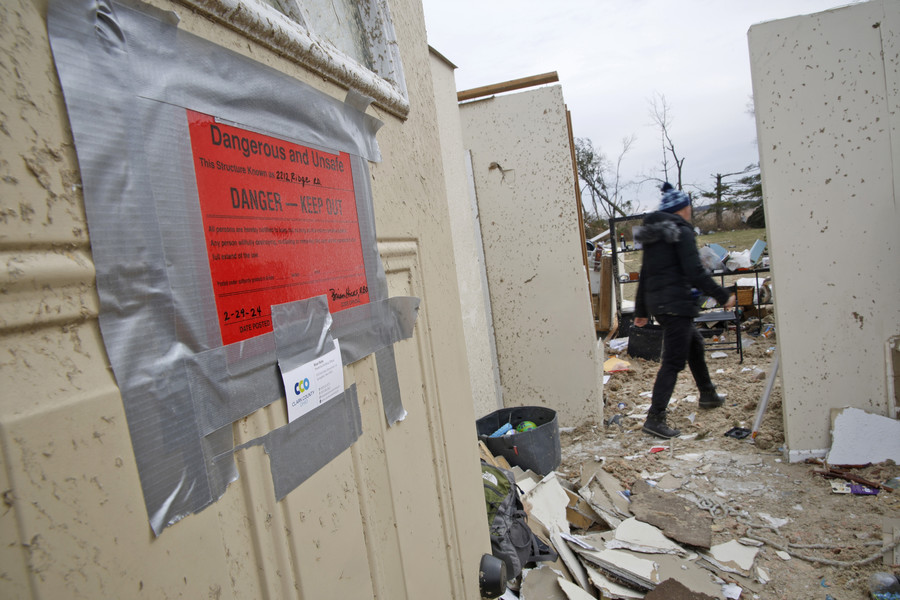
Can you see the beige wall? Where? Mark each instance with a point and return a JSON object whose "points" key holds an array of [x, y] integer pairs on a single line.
{"points": [[825, 88], [546, 345], [467, 249], [397, 516]]}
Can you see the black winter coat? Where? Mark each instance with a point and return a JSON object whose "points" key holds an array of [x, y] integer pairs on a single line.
{"points": [[671, 268]]}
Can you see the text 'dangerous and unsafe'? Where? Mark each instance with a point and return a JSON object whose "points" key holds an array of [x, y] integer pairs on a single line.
{"points": [[280, 222]]}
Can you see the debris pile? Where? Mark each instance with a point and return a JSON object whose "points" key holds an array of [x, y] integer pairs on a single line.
{"points": [[655, 537], [711, 515], [626, 543], [717, 259]]}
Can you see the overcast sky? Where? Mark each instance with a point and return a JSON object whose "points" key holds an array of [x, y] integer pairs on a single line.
{"points": [[613, 57]]}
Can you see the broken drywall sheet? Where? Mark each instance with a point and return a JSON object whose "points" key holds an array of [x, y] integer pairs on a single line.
{"points": [[689, 573], [588, 470], [591, 541], [735, 555], [547, 504], [609, 588], [722, 567], [558, 565], [607, 497], [627, 569], [579, 512], [541, 584], [643, 537], [526, 480], [600, 502], [686, 570], [616, 492], [859, 437], [570, 560], [573, 592]]}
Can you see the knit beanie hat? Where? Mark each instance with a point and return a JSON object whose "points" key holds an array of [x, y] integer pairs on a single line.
{"points": [[672, 200]]}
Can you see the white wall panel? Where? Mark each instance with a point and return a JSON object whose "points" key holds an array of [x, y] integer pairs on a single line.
{"points": [[826, 95], [546, 343]]}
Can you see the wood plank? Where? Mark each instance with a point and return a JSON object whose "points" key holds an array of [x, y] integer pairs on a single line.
{"points": [[486, 455], [507, 86], [605, 294]]}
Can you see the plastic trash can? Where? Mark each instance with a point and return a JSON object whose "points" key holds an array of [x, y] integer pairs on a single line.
{"points": [[537, 449], [645, 342]]}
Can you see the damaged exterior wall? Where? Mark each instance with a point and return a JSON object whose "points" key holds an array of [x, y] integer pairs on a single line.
{"points": [[826, 89], [380, 520], [546, 346], [467, 248]]}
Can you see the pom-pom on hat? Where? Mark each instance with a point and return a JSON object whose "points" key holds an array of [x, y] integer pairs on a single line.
{"points": [[672, 200]]}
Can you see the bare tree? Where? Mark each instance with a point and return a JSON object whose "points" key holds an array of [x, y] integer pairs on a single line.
{"points": [[660, 111], [601, 178]]}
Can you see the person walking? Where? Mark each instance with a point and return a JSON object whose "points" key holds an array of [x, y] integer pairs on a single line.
{"points": [[670, 271]]}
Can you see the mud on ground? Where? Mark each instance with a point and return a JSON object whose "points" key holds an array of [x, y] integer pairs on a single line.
{"points": [[743, 478]]}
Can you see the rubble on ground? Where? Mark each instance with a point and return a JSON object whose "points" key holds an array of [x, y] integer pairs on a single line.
{"points": [[704, 515]]}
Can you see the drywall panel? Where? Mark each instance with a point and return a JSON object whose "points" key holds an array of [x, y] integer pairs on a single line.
{"points": [[546, 345], [825, 88], [467, 249]]}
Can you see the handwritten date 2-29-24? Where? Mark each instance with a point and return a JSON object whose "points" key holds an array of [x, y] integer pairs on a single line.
{"points": [[239, 314]]}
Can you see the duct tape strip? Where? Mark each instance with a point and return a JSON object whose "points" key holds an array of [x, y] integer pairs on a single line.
{"points": [[302, 331], [226, 388], [358, 100], [366, 215], [387, 366], [219, 474], [386, 363], [390, 386], [368, 328], [330, 428]]}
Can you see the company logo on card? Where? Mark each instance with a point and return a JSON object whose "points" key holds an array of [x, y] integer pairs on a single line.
{"points": [[303, 392], [301, 386], [312, 384]]}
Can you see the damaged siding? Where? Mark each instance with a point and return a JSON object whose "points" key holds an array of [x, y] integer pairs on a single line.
{"points": [[379, 521]]}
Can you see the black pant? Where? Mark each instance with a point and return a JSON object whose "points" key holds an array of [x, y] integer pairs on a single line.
{"points": [[681, 343]]}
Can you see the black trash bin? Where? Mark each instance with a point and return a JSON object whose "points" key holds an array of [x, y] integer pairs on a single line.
{"points": [[537, 449], [646, 342]]}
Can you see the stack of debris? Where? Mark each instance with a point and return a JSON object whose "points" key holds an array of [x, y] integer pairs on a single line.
{"points": [[619, 544]]}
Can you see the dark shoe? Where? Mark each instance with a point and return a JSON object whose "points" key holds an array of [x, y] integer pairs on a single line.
{"points": [[710, 399], [656, 425]]}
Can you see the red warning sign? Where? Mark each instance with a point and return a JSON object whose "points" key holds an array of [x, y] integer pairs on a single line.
{"points": [[280, 222]]}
